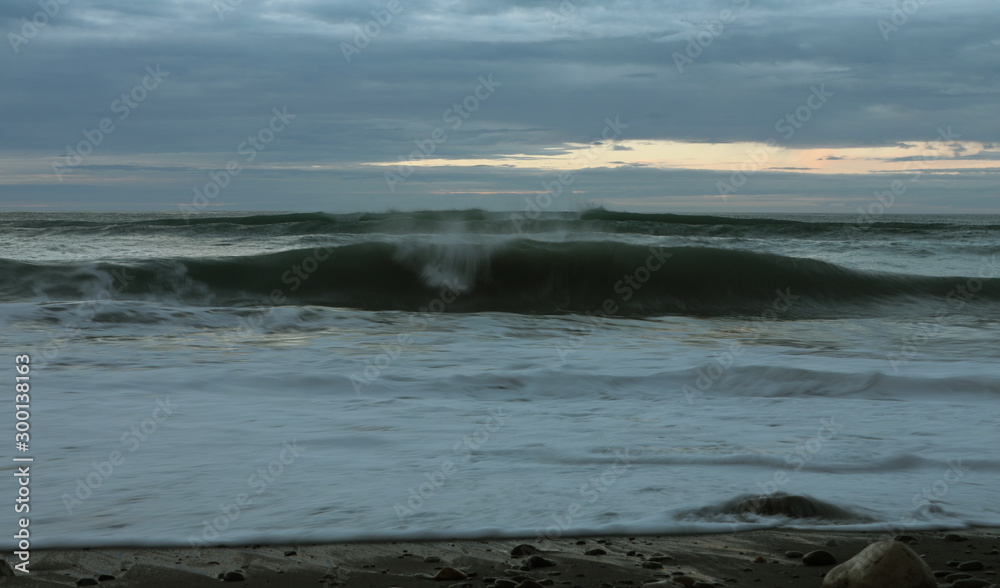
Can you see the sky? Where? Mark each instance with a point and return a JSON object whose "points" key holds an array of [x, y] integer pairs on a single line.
{"points": [[685, 106]]}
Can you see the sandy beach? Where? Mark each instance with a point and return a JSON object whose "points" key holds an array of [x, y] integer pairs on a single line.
{"points": [[771, 558]]}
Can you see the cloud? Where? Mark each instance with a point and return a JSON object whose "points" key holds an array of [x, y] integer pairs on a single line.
{"points": [[560, 79]]}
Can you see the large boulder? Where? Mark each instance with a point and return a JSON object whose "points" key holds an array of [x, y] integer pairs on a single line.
{"points": [[882, 564]]}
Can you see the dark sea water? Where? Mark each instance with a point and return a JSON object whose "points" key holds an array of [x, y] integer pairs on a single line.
{"points": [[311, 377]]}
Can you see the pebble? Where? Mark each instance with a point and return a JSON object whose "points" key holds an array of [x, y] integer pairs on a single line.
{"points": [[684, 580], [652, 565], [906, 539], [819, 558], [537, 561], [432, 559], [971, 566], [760, 559], [597, 551], [233, 577], [954, 537], [290, 553], [832, 543], [450, 574], [522, 550], [105, 578]]}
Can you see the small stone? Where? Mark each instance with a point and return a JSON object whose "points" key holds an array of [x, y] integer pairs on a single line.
{"points": [[432, 559], [537, 561], [832, 543], [449, 574], [652, 565], [684, 580], [794, 554], [86, 582], [819, 558], [597, 551], [291, 553], [906, 539], [881, 565], [233, 577], [971, 566], [105, 578], [581, 542], [760, 559], [522, 550], [954, 537]]}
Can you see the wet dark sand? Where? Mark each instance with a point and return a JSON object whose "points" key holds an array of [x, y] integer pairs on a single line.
{"points": [[754, 558]]}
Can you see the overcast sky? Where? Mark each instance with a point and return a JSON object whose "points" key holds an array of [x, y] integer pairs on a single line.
{"points": [[372, 105]]}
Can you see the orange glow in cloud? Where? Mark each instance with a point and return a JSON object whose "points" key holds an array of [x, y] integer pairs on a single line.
{"points": [[929, 156]]}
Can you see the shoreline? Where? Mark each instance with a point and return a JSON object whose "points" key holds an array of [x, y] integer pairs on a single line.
{"points": [[749, 558]]}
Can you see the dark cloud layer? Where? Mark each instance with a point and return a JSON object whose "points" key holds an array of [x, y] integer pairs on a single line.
{"points": [[562, 68]]}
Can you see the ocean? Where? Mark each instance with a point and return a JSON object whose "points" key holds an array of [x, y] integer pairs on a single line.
{"points": [[304, 377]]}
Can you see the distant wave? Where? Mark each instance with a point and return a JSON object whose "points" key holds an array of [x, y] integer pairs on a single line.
{"points": [[520, 275], [510, 223]]}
